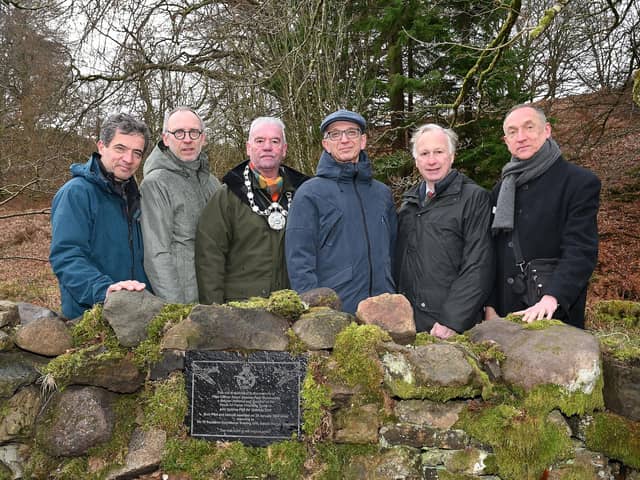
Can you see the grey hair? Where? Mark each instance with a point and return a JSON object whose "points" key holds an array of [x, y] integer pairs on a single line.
{"points": [[538, 110], [182, 108], [258, 122], [125, 124], [452, 137]]}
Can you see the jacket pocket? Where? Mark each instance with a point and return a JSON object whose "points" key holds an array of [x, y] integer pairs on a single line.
{"points": [[329, 225]]}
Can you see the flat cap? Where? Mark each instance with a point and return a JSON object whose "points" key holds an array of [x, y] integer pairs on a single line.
{"points": [[345, 116]]}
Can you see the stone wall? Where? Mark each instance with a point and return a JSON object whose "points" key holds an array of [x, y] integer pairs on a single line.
{"points": [[105, 397]]}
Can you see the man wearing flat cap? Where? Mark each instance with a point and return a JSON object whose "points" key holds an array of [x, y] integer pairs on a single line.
{"points": [[342, 227]]}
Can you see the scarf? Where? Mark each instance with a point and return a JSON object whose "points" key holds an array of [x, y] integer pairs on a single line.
{"points": [[273, 186], [518, 172]]}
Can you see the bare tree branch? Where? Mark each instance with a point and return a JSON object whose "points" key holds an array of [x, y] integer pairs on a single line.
{"points": [[22, 188], [44, 211]]}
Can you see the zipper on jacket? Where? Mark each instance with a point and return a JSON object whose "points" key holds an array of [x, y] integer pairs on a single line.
{"points": [[366, 234]]}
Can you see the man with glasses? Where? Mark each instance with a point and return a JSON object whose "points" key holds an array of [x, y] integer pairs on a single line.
{"points": [[342, 227], [240, 235], [96, 244], [176, 187]]}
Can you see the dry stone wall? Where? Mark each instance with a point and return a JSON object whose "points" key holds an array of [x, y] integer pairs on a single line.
{"points": [[105, 398]]}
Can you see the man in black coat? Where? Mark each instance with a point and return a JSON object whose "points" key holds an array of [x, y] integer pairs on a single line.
{"points": [[552, 207], [444, 260]]}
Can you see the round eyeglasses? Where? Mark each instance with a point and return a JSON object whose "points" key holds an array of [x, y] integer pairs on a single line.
{"points": [[180, 134]]}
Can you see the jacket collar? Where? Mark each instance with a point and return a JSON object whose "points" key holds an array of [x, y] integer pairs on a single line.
{"points": [[163, 158], [360, 171], [449, 185], [234, 179]]}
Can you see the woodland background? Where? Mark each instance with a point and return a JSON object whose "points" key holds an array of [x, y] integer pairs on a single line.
{"points": [[65, 65]]}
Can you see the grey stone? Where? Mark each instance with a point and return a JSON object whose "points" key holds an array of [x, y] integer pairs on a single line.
{"points": [[75, 420], [556, 417], [558, 355], [15, 457], [394, 464], [436, 456], [420, 436], [8, 313], [144, 455], [118, 375], [622, 387], [18, 369], [319, 327], [432, 414], [221, 327], [322, 297], [470, 461], [358, 424], [170, 361], [30, 312], [129, 314], [21, 411], [45, 336], [391, 312]]}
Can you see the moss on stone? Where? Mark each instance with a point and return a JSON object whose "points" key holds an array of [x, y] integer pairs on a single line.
{"points": [[63, 368], [295, 346], [286, 303], [437, 393], [423, 338], [316, 403], [333, 460], [615, 436], [466, 460], [165, 405], [148, 352], [616, 323], [524, 444], [544, 398], [203, 460], [575, 472], [115, 450], [92, 328], [356, 354], [543, 324]]}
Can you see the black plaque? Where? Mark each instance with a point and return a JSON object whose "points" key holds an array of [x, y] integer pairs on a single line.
{"points": [[254, 399]]}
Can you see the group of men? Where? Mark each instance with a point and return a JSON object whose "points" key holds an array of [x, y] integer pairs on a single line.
{"points": [[449, 248]]}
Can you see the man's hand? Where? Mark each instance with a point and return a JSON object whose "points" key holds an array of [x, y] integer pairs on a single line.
{"points": [[131, 285], [545, 308], [490, 313], [441, 331]]}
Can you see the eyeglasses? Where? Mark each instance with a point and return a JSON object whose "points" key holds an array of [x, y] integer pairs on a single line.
{"points": [[180, 134], [335, 135]]}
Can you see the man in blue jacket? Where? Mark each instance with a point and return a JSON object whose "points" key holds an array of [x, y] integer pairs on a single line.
{"points": [[342, 224], [96, 241]]}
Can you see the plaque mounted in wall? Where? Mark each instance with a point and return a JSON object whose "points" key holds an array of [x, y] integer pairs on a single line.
{"points": [[252, 398]]}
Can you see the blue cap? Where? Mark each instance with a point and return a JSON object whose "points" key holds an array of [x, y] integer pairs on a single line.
{"points": [[345, 116]]}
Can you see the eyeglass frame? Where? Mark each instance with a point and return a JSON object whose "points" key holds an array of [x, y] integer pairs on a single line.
{"points": [[339, 133], [184, 133]]}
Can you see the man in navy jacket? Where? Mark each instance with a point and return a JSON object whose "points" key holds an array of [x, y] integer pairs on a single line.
{"points": [[96, 241], [552, 205], [342, 223]]}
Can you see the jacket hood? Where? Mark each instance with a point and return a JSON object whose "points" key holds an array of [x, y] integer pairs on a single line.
{"points": [[345, 172], [90, 170], [161, 158]]}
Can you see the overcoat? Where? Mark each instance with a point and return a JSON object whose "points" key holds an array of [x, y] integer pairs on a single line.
{"points": [[444, 254], [555, 217]]}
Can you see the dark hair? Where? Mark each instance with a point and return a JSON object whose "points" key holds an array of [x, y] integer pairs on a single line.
{"points": [[126, 124]]}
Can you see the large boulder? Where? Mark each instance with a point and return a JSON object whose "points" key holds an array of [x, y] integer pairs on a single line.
{"points": [[20, 413], [559, 355], [18, 369], [75, 420], [319, 327], [48, 336]]}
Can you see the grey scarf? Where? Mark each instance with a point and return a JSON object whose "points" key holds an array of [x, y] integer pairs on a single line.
{"points": [[518, 172]]}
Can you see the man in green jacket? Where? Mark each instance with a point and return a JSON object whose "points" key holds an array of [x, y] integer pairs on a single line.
{"points": [[176, 187], [240, 235]]}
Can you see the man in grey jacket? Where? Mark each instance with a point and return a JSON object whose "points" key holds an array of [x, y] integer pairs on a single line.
{"points": [[176, 187]]}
